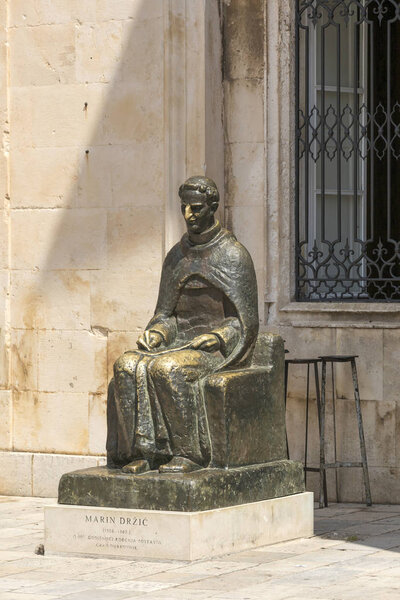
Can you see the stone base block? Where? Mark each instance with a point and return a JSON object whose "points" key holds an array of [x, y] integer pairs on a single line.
{"points": [[205, 489], [127, 533]]}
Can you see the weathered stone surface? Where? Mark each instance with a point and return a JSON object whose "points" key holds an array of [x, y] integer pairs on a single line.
{"points": [[135, 533], [243, 39], [50, 421], [368, 345], [48, 468], [245, 93], [200, 490], [246, 409], [6, 420], [16, 473]]}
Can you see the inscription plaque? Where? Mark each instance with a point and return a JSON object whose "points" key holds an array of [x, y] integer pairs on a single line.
{"points": [[130, 533]]}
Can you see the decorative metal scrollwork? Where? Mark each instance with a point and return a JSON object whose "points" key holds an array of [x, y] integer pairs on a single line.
{"points": [[348, 150]]}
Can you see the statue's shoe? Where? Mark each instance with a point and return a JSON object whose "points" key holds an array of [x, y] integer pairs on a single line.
{"points": [[179, 464], [111, 464], [136, 467]]}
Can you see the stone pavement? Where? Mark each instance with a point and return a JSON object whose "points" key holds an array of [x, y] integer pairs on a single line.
{"points": [[354, 554]]}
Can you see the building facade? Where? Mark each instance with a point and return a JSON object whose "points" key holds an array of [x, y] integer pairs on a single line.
{"points": [[106, 108]]}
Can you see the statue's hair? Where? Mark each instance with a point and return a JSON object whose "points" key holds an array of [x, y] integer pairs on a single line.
{"points": [[203, 185]]}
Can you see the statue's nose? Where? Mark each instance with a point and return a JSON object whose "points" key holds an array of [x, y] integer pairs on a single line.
{"points": [[188, 212]]}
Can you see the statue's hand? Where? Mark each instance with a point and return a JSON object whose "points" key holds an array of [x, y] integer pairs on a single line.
{"points": [[209, 342], [149, 340]]}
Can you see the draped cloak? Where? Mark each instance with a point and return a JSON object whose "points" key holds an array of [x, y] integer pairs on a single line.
{"points": [[143, 419]]}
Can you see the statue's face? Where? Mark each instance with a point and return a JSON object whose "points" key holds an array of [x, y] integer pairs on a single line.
{"points": [[197, 212]]}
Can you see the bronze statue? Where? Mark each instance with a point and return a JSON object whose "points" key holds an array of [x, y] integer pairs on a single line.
{"points": [[206, 320]]}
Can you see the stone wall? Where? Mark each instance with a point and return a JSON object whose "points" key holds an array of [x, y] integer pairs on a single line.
{"points": [[106, 108]]}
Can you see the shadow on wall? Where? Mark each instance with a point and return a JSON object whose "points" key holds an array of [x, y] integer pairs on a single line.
{"points": [[87, 181]]}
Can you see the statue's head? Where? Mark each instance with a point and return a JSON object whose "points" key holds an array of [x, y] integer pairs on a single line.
{"points": [[199, 200]]}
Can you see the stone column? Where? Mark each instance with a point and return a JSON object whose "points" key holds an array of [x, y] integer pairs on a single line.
{"points": [[193, 102], [5, 392]]}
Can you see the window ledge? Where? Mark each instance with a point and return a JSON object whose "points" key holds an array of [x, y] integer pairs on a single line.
{"points": [[342, 307]]}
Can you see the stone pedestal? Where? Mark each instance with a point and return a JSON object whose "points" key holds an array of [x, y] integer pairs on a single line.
{"points": [[135, 533], [201, 490]]}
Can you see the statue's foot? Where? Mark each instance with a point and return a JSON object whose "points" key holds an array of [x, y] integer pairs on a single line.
{"points": [[179, 464], [136, 467]]}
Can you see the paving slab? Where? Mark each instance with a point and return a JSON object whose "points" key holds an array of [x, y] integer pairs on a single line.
{"points": [[355, 555]]}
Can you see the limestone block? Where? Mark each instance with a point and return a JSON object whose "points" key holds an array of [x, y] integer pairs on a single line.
{"points": [[132, 10], [3, 18], [296, 431], [42, 55], [56, 115], [34, 13], [142, 58], [245, 110], [4, 284], [248, 224], [3, 240], [59, 239], [52, 172], [312, 484], [368, 345], [384, 481], [245, 181], [244, 39], [147, 187], [24, 359], [66, 177], [133, 112], [24, 13], [124, 300], [16, 473], [94, 186], [51, 422], [6, 420], [3, 172], [4, 359], [296, 426], [98, 51], [385, 485], [50, 300], [134, 238], [119, 342], [306, 342], [72, 361], [97, 424], [390, 365], [379, 421], [47, 470]]}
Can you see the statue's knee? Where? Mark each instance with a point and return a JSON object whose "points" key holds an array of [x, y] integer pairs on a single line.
{"points": [[123, 364], [172, 370], [162, 368]]}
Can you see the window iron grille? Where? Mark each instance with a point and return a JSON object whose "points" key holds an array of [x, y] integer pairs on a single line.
{"points": [[348, 150]]}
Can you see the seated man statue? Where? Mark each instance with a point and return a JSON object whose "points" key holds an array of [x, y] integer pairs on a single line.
{"points": [[206, 320]]}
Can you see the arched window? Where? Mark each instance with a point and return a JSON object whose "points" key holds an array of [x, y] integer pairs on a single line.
{"points": [[348, 150]]}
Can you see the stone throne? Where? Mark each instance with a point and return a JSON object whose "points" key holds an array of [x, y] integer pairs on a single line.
{"points": [[245, 408]]}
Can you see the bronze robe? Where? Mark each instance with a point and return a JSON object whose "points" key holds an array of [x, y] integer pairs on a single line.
{"points": [[155, 404]]}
